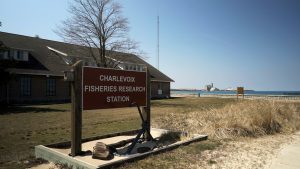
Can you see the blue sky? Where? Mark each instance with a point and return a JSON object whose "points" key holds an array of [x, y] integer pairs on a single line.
{"points": [[250, 43]]}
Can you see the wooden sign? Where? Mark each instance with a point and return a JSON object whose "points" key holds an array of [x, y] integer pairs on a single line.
{"points": [[104, 88], [240, 90]]}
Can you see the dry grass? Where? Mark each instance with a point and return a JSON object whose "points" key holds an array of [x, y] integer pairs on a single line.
{"points": [[21, 130], [245, 118], [24, 127], [231, 128]]}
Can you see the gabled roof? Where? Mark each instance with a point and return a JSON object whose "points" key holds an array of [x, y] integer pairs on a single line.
{"points": [[52, 64]]}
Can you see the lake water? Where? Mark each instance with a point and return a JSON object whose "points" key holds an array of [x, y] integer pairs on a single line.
{"points": [[196, 92]]}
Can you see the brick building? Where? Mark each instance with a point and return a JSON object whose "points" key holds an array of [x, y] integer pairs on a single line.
{"points": [[36, 72]]}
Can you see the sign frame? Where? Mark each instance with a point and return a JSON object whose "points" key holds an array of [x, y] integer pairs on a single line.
{"points": [[77, 106]]}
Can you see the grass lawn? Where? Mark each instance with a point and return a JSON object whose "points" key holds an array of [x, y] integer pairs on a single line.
{"points": [[23, 127]]}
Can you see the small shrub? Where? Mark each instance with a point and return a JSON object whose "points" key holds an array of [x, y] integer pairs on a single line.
{"points": [[169, 138], [212, 162], [63, 166]]}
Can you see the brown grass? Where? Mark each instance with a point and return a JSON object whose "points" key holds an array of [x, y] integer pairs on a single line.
{"points": [[24, 127], [225, 125], [21, 130], [244, 118]]}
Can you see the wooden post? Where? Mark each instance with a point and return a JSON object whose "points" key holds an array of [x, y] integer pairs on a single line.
{"points": [[76, 114], [146, 111]]}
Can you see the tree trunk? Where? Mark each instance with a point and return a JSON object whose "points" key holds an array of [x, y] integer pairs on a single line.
{"points": [[103, 53], [101, 64]]}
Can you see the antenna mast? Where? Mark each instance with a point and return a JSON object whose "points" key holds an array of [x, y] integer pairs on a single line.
{"points": [[158, 42]]}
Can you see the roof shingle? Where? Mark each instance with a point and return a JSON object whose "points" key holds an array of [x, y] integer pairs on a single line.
{"points": [[52, 64]]}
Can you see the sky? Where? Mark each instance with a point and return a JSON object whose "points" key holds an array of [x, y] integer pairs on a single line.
{"points": [[250, 43]]}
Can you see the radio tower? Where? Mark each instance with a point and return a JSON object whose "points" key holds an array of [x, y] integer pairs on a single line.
{"points": [[158, 42]]}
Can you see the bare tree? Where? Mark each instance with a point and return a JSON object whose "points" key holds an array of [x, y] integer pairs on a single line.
{"points": [[97, 24]]}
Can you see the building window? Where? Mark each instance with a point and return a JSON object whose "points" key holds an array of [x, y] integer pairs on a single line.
{"points": [[25, 83], [51, 87], [4, 55], [134, 67], [160, 89], [160, 85], [18, 55]]}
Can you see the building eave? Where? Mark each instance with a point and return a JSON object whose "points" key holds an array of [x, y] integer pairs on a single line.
{"points": [[161, 81]]}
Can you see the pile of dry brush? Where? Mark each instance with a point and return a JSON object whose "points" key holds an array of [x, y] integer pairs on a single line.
{"points": [[249, 118]]}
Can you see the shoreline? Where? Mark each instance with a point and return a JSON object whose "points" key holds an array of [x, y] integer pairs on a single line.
{"points": [[246, 96]]}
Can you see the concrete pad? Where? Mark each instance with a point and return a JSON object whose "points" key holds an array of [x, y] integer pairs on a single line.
{"points": [[283, 166], [87, 162]]}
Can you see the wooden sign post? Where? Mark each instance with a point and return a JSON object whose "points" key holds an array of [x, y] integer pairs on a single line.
{"points": [[147, 109], [76, 113], [103, 88]]}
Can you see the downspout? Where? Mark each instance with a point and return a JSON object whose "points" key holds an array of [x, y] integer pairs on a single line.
{"points": [[7, 93]]}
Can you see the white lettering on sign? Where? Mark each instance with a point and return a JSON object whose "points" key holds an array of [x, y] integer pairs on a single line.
{"points": [[117, 99], [109, 78], [132, 89], [112, 88], [115, 89], [88, 88]]}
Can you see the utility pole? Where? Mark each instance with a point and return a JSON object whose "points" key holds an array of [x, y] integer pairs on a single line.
{"points": [[158, 42]]}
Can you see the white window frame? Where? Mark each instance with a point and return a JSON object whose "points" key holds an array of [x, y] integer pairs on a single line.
{"points": [[25, 86], [51, 87]]}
